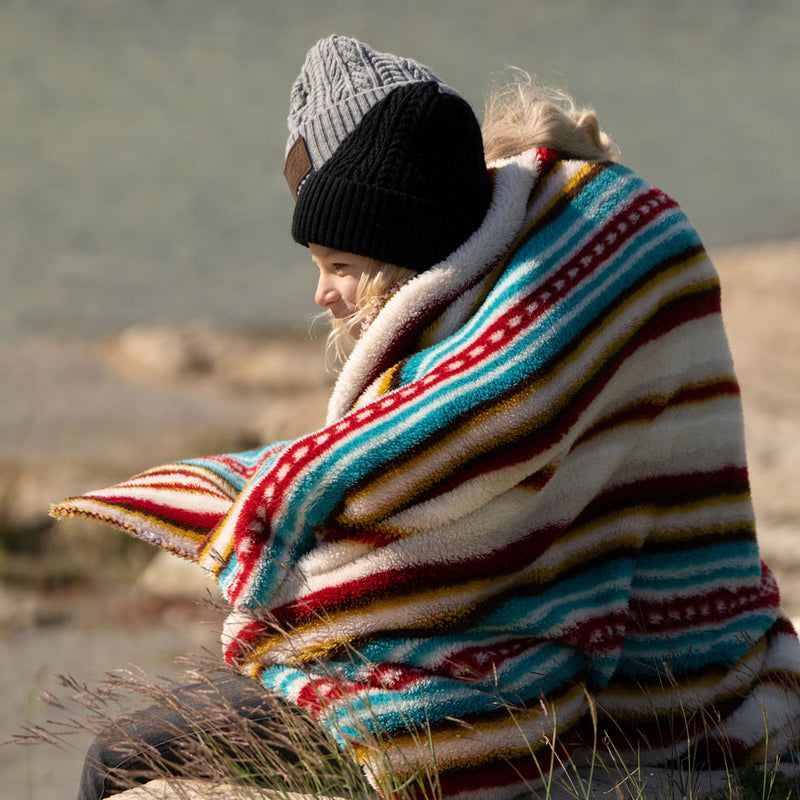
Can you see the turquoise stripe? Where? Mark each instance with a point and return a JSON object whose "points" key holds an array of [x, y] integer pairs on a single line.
{"points": [[682, 566], [603, 589], [545, 663], [420, 652], [271, 570], [528, 677], [628, 267], [433, 700], [543, 342], [521, 274], [528, 266], [227, 575], [278, 679], [427, 701], [666, 588]]}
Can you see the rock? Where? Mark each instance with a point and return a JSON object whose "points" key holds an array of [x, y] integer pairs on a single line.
{"points": [[71, 424], [205, 790], [230, 359], [174, 578], [289, 417], [596, 784], [26, 492]]}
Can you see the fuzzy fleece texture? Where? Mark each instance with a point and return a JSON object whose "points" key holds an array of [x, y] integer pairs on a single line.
{"points": [[527, 521]]}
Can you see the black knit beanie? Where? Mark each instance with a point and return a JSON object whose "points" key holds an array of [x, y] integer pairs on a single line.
{"points": [[406, 187]]}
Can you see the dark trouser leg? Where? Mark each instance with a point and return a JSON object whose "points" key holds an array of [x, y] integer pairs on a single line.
{"points": [[160, 733]]}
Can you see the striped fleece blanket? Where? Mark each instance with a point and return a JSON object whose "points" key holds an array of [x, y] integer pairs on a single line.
{"points": [[526, 523]]}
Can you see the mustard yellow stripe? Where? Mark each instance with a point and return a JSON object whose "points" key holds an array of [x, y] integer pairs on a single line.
{"points": [[564, 562], [655, 511], [308, 653], [221, 558], [179, 476], [472, 593], [387, 380], [108, 517]]}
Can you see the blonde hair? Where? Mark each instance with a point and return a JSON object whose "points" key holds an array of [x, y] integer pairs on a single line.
{"points": [[524, 114], [376, 285]]}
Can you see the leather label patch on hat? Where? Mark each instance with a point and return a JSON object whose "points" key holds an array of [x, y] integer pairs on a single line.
{"points": [[298, 165]]}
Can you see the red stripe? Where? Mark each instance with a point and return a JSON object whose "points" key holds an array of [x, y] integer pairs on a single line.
{"points": [[185, 518], [656, 617], [667, 491], [321, 693], [654, 731], [786, 680], [479, 662], [240, 468], [524, 771], [600, 634], [782, 627], [423, 578]]}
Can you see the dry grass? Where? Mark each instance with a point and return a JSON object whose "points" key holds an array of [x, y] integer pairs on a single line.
{"points": [[248, 758]]}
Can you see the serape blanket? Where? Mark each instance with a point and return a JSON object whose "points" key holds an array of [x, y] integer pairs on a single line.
{"points": [[526, 524]]}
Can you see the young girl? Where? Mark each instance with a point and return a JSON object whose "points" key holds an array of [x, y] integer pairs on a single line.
{"points": [[518, 117], [524, 532]]}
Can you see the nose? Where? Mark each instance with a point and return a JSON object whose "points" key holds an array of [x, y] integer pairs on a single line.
{"points": [[325, 295]]}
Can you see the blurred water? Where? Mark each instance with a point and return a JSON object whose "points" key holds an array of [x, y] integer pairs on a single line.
{"points": [[141, 143]]}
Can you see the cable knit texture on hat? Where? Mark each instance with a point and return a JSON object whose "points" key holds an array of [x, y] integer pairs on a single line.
{"points": [[406, 187], [339, 82]]}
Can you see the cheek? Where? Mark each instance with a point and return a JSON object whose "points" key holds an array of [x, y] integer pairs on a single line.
{"points": [[348, 290]]}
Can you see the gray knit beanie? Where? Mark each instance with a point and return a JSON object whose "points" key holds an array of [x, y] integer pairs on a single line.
{"points": [[339, 82]]}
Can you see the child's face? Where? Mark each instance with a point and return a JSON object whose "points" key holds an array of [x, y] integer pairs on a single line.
{"points": [[339, 274]]}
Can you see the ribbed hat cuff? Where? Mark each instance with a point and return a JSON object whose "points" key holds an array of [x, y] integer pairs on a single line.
{"points": [[373, 221]]}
